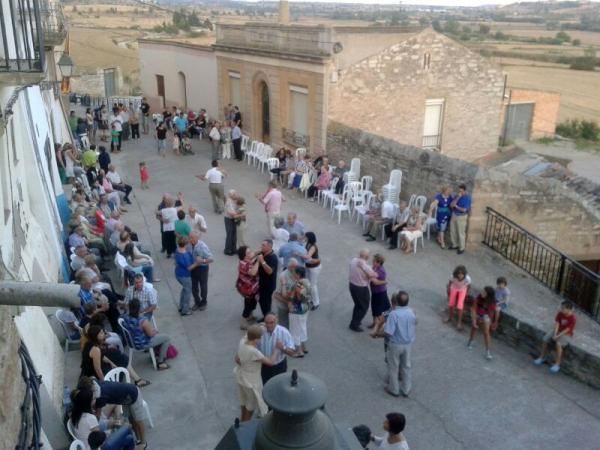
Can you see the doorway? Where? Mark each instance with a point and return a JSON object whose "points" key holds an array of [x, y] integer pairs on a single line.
{"points": [[110, 85], [182, 90], [432, 124], [265, 112], [518, 122], [160, 88]]}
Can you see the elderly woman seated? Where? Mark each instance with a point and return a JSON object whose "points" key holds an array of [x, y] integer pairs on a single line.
{"points": [[139, 262], [144, 335]]}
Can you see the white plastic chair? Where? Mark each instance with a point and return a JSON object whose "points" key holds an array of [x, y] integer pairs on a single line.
{"points": [[59, 317], [394, 215], [250, 153], [244, 143], [323, 193], [266, 154], [362, 210], [115, 376], [422, 237], [71, 429], [77, 445], [312, 175], [300, 153], [411, 201], [343, 205], [130, 344], [391, 190], [431, 221], [260, 149], [272, 163], [367, 182], [420, 202], [355, 167]]}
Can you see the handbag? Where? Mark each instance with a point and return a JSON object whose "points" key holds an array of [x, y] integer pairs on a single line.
{"points": [[245, 289], [172, 352]]}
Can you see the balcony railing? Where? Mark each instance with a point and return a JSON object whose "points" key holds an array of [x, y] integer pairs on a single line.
{"points": [[22, 37], [295, 139], [432, 142], [53, 23], [552, 268]]}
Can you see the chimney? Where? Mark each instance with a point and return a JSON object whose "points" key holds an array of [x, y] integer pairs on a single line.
{"points": [[284, 11]]}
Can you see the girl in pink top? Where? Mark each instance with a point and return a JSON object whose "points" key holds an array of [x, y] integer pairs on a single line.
{"points": [[458, 288], [144, 175]]}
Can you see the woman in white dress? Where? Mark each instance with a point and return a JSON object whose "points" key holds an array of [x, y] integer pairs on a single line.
{"points": [[71, 158], [412, 230], [249, 361]]}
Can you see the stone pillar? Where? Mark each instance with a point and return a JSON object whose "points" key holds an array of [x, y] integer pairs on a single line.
{"points": [[284, 11]]}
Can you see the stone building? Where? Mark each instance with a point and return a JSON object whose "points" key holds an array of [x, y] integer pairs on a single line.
{"points": [[427, 91]]}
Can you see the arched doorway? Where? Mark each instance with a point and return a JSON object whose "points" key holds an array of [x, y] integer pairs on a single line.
{"points": [[182, 90], [265, 124]]}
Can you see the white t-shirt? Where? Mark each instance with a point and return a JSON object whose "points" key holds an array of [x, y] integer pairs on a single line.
{"points": [[280, 237], [114, 177], [85, 426], [387, 210], [197, 222], [117, 121], [170, 215], [383, 445], [214, 134], [214, 175]]}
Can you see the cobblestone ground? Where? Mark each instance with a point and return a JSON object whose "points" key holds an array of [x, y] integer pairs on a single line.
{"points": [[459, 400]]}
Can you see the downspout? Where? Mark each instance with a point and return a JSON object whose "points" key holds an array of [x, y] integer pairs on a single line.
{"points": [[21, 293]]}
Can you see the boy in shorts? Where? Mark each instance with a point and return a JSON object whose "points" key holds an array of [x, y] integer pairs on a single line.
{"points": [[502, 299], [560, 336]]}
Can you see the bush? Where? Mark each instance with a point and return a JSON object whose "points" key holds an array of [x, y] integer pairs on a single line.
{"points": [[561, 35], [484, 29], [579, 129], [576, 42], [589, 130], [583, 63], [500, 36]]}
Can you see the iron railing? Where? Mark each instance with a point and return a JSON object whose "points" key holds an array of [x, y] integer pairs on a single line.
{"points": [[96, 101], [432, 142], [559, 272], [294, 138], [22, 37]]}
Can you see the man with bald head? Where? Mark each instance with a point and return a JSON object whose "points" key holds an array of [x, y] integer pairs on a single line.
{"points": [[360, 275], [293, 225], [203, 257], [275, 336]]}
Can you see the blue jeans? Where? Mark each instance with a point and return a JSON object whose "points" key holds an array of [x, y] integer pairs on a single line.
{"points": [[186, 294], [148, 272], [121, 439]]}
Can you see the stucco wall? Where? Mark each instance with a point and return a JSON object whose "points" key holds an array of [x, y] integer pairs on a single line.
{"points": [[545, 112], [564, 214], [199, 65], [386, 94]]}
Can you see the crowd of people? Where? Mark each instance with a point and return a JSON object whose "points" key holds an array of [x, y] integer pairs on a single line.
{"points": [[280, 277]]}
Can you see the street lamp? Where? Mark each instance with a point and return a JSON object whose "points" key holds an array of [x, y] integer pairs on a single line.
{"points": [[66, 66]]}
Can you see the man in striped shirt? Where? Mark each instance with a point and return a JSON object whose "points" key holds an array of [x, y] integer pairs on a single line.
{"points": [[275, 336]]}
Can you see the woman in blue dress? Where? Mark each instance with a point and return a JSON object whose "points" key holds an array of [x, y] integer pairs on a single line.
{"points": [[442, 201]]}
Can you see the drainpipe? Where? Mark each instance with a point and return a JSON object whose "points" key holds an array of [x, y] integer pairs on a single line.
{"points": [[19, 293]]}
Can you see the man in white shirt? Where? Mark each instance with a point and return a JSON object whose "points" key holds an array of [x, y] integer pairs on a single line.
{"points": [[117, 120], [271, 200], [196, 221], [117, 182], [385, 216], [275, 336], [215, 177], [215, 140]]}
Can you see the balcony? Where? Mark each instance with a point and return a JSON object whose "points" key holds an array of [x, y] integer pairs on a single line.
{"points": [[295, 139], [22, 52], [53, 23], [432, 142]]}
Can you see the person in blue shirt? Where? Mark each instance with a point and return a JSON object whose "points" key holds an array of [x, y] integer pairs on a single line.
{"points": [[461, 207], [184, 264], [181, 123], [292, 249]]}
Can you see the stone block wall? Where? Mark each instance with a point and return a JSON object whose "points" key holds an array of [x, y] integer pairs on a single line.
{"points": [[386, 94], [92, 83], [12, 388], [423, 172]]}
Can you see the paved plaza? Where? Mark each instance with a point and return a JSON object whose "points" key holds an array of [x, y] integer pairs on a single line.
{"points": [[459, 400]]}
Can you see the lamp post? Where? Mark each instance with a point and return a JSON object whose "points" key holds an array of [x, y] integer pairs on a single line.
{"points": [[66, 66]]}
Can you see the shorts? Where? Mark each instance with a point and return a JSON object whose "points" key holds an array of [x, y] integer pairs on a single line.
{"points": [[485, 318], [563, 341], [456, 298]]}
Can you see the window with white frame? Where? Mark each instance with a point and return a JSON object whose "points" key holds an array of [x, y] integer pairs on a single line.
{"points": [[235, 93], [299, 109]]}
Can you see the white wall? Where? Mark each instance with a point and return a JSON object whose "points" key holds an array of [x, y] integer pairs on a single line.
{"points": [[168, 59]]}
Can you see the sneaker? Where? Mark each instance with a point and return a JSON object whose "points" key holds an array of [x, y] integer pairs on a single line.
{"points": [[538, 361], [555, 368], [488, 355], [470, 345]]}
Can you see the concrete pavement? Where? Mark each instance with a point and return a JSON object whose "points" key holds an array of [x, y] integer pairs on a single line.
{"points": [[459, 400]]}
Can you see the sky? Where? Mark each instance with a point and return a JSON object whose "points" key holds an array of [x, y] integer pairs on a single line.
{"points": [[417, 2]]}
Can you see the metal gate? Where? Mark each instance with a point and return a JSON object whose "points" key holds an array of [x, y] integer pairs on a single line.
{"points": [[518, 122], [110, 85]]}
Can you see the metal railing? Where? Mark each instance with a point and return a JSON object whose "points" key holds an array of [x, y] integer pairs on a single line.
{"points": [[554, 269], [131, 102], [294, 138], [22, 37], [432, 142], [53, 23]]}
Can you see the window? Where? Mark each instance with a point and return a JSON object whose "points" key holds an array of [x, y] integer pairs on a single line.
{"points": [[432, 124], [235, 93], [426, 60], [299, 109], [160, 88]]}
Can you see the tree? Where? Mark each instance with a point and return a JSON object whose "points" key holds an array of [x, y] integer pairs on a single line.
{"points": [[193, 20], [576, 42], [451, 27], [423, 21], [436, 25], [466, 29], [500, 36], [561, 35], [484, 29]]}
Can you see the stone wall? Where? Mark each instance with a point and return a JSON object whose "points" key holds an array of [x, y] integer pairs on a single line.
{"points": [[12, 388], [423, 172], [92, 83], [550, 208], [386, 94]]}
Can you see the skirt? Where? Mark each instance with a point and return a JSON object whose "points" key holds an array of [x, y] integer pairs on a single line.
{"points": [[298, 328], [379, 303]]}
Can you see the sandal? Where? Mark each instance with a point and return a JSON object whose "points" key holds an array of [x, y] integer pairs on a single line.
{"points": [[163, 366], [142, 383]]}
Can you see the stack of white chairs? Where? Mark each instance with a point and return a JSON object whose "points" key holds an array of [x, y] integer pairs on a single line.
{"points": [[354, 173], [391, 190]]}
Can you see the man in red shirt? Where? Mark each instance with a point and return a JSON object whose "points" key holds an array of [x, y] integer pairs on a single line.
{"points": [[560, 336]]}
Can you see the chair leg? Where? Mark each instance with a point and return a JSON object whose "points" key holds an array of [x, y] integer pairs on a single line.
{"points": [[66, 346], [147, 409], [153, 357]]}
